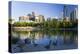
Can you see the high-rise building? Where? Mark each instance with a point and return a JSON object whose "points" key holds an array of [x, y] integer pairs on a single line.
{"points": [[64, 11], [74, 15], [76, 10]]}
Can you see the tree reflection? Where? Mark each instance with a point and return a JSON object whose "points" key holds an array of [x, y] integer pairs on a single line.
{"points": [[44, 39]]}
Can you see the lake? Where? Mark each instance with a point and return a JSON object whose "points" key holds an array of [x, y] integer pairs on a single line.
{"points": [[29, 41]]}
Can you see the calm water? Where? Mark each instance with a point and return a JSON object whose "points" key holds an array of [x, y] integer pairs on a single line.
{"points": [[43, 40]]}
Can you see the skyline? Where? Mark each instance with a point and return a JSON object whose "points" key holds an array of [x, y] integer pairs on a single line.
{"points": [[46, 9]]}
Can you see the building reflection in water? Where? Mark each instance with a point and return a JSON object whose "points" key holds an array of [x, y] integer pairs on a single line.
{"points": [[46, 39]]}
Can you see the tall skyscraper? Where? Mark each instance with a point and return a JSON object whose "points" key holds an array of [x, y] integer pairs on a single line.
{"points": [[76, 9], [64, 11], [74, 14]]}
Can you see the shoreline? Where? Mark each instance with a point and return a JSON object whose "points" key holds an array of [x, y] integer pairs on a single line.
{"points": [[36, 28]]}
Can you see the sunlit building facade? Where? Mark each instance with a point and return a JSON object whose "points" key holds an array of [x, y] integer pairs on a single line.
{"points": [[24, 19], [32, 18], [39, 19]]}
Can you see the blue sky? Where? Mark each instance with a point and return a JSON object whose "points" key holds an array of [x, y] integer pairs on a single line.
{"points": [[46, 9]]}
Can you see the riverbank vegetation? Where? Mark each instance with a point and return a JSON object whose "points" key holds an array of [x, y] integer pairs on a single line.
{"points": [[49, 24]]}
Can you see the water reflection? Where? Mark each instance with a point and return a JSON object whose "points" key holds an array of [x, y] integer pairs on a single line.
{"points": [[43, 40]]}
